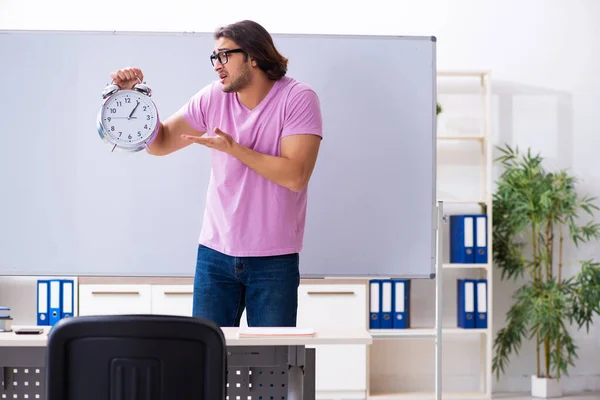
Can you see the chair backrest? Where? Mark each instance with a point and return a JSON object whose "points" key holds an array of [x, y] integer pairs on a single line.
{"points": [[136, 357]]}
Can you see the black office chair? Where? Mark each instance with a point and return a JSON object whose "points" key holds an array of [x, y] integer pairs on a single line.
{"points": [[136, 357]]}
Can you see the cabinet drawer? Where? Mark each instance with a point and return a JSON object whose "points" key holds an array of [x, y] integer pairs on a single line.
{"points": [[114, 299], [323, 305], [172, 299]]}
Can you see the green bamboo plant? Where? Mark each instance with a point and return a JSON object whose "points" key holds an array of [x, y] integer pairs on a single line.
{"points": [[534, 212]]}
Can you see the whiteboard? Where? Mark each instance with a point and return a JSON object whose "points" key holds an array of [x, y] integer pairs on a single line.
{"points": [[70, 206]]}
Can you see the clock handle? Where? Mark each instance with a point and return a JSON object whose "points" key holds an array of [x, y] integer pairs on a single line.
{"points": [[136, 77], [112, 88]]}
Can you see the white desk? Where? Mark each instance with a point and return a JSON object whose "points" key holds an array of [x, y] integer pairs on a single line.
{"points": [[27, 352], [323, 336]]}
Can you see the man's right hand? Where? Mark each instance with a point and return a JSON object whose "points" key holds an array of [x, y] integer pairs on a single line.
{"points": [[170, 134], [127, 77]]}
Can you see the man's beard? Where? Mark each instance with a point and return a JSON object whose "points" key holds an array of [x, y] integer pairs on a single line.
{"points": [[242, 81]]}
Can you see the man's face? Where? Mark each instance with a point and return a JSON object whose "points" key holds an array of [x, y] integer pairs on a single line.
{"points": [[234, 73]]}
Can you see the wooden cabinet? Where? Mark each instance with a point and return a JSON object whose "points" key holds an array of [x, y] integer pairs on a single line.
{"points": [[172, 299], [101, 299], [341, 370]]}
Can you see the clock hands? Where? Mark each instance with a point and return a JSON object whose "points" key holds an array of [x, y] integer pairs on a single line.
{"points": [[134, 108]]}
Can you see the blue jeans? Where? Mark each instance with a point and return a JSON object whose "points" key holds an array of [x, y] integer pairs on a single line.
{"points": [[266, 286]]}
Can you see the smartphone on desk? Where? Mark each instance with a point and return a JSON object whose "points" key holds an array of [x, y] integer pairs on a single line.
{"points": [[29, 331]]}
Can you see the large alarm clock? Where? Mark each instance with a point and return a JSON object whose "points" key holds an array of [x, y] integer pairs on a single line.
{"points": [[128, 120]]}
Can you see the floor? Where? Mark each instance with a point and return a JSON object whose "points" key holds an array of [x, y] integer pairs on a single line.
{"points": [[524, 396]]}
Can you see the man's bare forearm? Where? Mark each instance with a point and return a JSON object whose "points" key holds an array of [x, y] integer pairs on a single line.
{"points": [[168, 139], [156, 147], [280, 170]]}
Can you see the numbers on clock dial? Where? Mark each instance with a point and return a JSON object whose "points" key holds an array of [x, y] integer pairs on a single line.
{"points": [[129, 117]]}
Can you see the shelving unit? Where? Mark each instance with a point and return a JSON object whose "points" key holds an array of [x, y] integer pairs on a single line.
{"points": [[483, 202]]}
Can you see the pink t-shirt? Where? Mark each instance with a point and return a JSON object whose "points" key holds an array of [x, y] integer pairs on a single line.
{"points": [[246, 214]]}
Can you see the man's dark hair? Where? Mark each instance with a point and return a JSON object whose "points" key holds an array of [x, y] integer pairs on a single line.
{"points": [[258, 44]]}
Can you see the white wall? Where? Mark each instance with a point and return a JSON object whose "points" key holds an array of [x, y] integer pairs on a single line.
{"points": [[544, 56]]}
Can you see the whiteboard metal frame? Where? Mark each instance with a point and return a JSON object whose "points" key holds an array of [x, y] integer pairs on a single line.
{"points": [[433, 272]]}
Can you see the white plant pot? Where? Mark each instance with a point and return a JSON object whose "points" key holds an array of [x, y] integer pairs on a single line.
{"points": [[545, 388]]}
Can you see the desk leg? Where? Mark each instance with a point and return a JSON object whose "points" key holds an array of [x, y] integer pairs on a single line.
{"points": [[296, 363], [309, 387], [295, 383], [4, 379]]}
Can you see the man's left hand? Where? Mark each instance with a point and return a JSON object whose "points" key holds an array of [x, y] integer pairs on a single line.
{"points": [[222, 142]]}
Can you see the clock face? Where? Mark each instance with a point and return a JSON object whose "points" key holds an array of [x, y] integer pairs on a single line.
{"points": [[129, 117]]}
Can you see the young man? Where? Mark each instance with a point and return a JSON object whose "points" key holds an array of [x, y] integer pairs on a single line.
{"points": [[264, 129]]}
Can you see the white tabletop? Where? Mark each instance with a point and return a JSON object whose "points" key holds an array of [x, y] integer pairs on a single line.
{"points": [[321, 336]]}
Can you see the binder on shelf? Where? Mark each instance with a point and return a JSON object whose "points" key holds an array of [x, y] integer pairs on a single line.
{"points": [[386, 304], [465, 303], [55, 296], [43, 295], [482, 304], [462, 232], [67, 289], [481, 253], [401, 296], [5, 322], [374, 304]]}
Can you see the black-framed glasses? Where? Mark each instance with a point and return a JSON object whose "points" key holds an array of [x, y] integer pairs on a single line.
{"points": [[223, 56]]}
